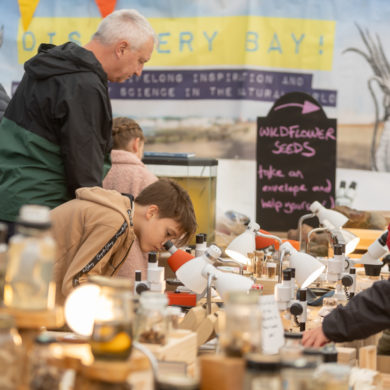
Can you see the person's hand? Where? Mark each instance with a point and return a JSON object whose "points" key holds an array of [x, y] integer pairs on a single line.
{"points": [[314, 338]]}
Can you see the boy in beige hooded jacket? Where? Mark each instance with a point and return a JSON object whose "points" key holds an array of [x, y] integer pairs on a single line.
{"points": [[95, 231]]}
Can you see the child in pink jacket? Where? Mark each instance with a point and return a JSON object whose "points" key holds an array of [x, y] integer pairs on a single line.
{"points": [[129, 175]]}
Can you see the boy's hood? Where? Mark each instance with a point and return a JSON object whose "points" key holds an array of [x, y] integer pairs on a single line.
{"points": [[54, 60], [108, 198]]}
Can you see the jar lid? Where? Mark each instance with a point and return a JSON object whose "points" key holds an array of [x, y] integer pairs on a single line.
{"points": [[262, 362], [293, 335], [300, 364], [35, 216], [313, 352]]}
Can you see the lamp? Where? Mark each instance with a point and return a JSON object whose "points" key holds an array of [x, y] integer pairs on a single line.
{"points": [[338, 236], [307, 268], [246, 243], [199, 273], [243, 244], [329, 219]]}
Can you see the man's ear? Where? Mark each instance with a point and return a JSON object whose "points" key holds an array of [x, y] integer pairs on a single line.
{"points": [[120, 48], [151, 211]]}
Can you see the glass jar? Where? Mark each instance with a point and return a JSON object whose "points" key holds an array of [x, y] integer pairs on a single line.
{"points": [[174, 314], [314, 355], [11, 354], [259, 260], [332, 376], [29, 283], [113, 323], [292, 348], [262, 372], [241, 333], [43, 374], [152, 319], [298, 375]]}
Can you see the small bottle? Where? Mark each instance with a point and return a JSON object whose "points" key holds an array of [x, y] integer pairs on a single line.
{"points": [[262, 372], [250, 268], [43, 374], [151, 325], [259, 263], [283, 291], [242, 331], [112, 335], [11, 354], [29, 283], [200, 245]]}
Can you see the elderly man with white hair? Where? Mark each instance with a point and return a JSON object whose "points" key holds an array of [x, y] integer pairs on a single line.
{"points": [[56, 132]]}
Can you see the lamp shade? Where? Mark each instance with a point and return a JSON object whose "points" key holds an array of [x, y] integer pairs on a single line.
{"points": [[226, 282], [190, 274], [330, 219], [264, 242], [307, 268], [243, 244], [177, 259]]}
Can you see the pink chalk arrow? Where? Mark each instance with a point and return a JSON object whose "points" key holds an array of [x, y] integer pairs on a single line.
{"points": [[307, 107]]}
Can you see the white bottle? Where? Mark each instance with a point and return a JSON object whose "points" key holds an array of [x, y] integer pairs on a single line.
{"points": [[200, 245]]}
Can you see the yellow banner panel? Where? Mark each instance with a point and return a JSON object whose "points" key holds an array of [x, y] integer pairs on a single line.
{"points": [[209, 41]]}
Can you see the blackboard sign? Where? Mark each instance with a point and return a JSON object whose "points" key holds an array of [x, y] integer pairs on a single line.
{"points": [[296, 161]]}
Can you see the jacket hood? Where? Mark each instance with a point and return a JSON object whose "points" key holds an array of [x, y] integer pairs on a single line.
{"points": [[108, 198], [54, 60]]}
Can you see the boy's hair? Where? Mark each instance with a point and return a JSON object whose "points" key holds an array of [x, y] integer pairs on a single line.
{"points": [[173, 202], [124, 130]]}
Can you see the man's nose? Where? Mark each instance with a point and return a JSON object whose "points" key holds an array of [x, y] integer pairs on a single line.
{"points": [[138, 71]]}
